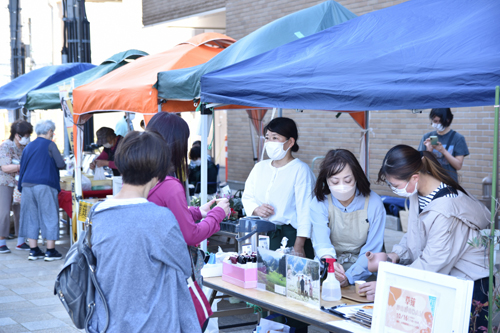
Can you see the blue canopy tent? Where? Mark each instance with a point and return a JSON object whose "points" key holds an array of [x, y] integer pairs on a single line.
{"points": [[48, 97], [418, 54], [13, 94], [415, 55]]}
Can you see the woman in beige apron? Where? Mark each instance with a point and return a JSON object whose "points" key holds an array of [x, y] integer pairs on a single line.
{"points": [[348, 219]]}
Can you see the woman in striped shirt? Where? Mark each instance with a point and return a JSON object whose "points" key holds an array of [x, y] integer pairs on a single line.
{"points": [[443, 218]]}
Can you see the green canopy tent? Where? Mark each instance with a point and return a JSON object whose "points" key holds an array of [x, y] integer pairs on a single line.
{"points": [[48, 97]]}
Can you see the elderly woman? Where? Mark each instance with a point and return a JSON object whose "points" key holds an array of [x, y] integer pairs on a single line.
{"points": [[10, 156], [39, 183]]}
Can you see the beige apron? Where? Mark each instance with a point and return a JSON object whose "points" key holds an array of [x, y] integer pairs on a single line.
{"points": [[348, 232]]}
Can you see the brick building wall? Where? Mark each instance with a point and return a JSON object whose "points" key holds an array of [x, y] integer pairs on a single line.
{"points": [[156, 11], [320, 131]]}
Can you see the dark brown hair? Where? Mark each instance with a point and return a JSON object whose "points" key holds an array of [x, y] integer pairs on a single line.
{"points": [[175, 131], [141, 156], [20, 127], [334, 162], [444, 114], [402, 162], [286, 127]]}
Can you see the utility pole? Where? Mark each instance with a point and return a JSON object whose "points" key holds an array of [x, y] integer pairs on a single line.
{"points": [[16, 47], [76, 48]]}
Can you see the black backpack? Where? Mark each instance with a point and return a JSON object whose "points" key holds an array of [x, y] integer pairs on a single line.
{"points": [[76, 283]]}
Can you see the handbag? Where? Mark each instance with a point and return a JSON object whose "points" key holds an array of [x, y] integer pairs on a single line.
{"points": [[200, 301], [76, 283], [16, 196]]}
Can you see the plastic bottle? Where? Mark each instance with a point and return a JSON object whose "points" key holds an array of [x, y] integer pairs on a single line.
{"points": [[331, 286]]}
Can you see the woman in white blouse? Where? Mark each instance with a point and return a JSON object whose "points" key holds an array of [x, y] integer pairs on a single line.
{"points": [[279, 189]]}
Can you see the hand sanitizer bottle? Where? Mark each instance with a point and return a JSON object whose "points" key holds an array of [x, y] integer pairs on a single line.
{"points": [[331, 286]]}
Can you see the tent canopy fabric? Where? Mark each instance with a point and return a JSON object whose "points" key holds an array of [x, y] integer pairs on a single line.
{"points": [[13, 94], [130, 88], [184, 84], [48, 97], [416, 55]]}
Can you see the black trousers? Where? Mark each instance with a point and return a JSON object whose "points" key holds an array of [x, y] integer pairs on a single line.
{"points": [[480, 294]]}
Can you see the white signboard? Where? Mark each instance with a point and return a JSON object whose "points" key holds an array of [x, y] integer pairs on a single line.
{"points": [[413, 300]]}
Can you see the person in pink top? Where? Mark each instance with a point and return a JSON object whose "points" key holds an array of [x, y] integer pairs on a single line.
{"points": [[171, 192]]}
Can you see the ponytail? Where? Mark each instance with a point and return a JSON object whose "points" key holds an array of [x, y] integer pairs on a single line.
{"points": [[432, 166]]}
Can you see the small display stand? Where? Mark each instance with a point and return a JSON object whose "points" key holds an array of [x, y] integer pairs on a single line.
{"points": [[414, 300]]}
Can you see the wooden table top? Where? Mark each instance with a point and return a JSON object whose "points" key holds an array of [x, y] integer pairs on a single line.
{"points": [[281, 304]]}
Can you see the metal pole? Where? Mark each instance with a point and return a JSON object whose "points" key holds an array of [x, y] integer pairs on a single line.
{"points": [[491, 297], [205, 112], [78, 19], [367, 143], [255, 157], [280, 112]]}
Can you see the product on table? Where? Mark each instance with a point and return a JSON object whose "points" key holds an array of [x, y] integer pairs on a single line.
{"points": [[331, 286], [358, 284], [374, 259]]}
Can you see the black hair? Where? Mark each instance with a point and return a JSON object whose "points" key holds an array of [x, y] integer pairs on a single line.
{"points": [[286, 127], [334, 162], [402, 162], [444, 114], [20, 127], [195, 153], [142, 156], [175, 131], [197, 143]]}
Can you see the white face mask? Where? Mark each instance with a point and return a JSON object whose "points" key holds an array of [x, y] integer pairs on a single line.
{"points": [[196, 163], [275, 150], [342, 192], [439, 127], [107, 145], [24, 141], [402, 191]]}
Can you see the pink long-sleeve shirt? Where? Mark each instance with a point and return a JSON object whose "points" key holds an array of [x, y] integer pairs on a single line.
{"points": [[170, 193]]}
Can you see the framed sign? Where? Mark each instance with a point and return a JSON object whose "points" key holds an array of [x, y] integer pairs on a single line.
{"points": [[414, 300]]}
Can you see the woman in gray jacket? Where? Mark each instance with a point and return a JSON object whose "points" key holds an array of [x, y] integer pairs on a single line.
{"points": [[443, 218]]}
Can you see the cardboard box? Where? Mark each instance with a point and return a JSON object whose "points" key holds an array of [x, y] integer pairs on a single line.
{"points": [[106, 184]]}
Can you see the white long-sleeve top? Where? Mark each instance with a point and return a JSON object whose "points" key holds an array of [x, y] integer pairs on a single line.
{"points": [[288, 189]]}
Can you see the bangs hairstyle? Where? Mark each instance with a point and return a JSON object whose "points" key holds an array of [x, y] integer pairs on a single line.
{"points": [[286, 127], [175, 131], [20, 127], [141, 156], [402, 162], [444, 114], [334, 162]]}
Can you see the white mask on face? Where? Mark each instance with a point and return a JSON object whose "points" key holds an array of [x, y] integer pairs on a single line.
{"points": [[24, 141], [402, 191], [439, 127], [275, 150], [342, 192], [196, 163], [107, 145]]}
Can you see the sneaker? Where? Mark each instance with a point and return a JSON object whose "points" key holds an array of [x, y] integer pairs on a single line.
{"points": [[4, 249], [53, 255], [23, 246], [36, 254]]}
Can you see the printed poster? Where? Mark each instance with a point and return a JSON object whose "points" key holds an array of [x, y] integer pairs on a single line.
{"points": [[302, 280], [409, 311], [271, 271]]}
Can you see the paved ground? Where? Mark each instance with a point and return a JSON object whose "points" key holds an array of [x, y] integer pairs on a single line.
{"points": [[27, 301]]}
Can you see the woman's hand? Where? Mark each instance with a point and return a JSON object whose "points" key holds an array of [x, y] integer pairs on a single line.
{"points": [[92, 165], [368, 288], [298, 247], [224, 204], [101, 163], [11, 168], [394, 257], [340, 275], [264, 211], [204, 209], [428, 145]]}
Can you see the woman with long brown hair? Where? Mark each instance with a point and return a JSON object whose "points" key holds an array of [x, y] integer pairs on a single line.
{"points": [[443, 218], [348, 219]]}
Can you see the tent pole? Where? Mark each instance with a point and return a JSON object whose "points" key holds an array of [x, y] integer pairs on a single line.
{"points": [[367, 144], [253, 142], [280, 112], [491, 297], [205, 112]]}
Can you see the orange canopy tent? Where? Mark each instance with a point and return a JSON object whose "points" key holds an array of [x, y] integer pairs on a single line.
{"points": [[130, 88]]}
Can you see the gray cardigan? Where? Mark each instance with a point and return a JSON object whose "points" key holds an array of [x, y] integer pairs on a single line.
{"points": [[142, 267]]}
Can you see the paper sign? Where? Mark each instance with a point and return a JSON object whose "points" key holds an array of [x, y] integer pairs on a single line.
{"points": [[84, 210], [409, 311]]}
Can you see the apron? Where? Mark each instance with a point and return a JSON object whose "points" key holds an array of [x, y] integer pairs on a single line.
{"points": [[348, 232]]}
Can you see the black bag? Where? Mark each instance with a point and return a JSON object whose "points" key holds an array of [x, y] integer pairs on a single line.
{"points": [[76, 283]]}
